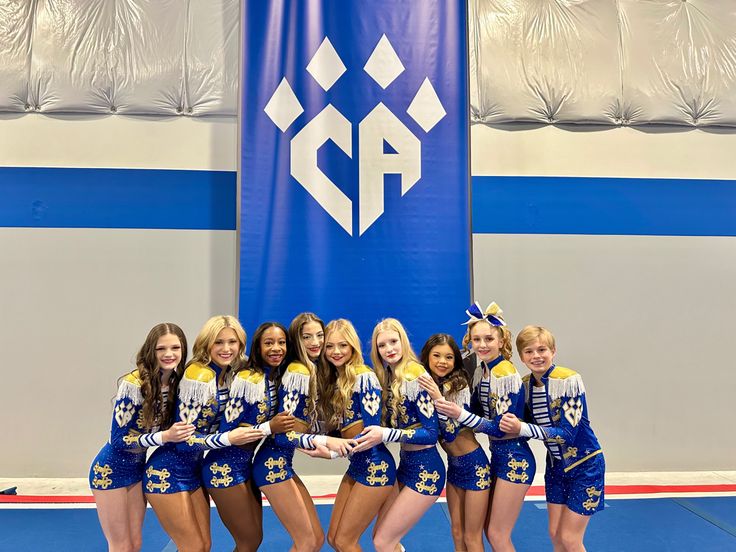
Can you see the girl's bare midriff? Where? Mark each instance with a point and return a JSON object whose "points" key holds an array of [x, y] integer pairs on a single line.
{"points": [[464, 443]]}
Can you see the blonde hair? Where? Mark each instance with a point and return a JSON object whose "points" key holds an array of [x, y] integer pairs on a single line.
{"points": [[207, 337], [502, 332], [299, 354], [336, 385], [531, 334], [407, 356]]}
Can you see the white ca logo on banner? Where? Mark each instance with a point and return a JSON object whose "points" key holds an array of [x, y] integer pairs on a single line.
{"points": [[383, 66]]}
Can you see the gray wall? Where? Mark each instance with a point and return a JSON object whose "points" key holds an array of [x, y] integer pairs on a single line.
{"points": [[644, 319]]}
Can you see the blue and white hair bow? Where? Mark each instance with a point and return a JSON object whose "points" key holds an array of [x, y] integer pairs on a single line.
{"points": [[493, 314]]}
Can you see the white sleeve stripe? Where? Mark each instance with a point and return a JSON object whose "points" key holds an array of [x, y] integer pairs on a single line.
{"points": [[469, 419], [306, 441], [391, 435], [217, 440]]}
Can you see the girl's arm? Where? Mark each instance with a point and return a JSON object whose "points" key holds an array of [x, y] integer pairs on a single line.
{"points": [[507, 393], [426, 430], [573, 407], [293, 395], [197, 405], [126, 432], [448, 427]]}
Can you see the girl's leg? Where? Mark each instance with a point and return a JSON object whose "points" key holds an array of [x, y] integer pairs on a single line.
{"points": [[508, 499], [474, 519], [362, 505], [571, 530], [456, 507], [240, 514], [180, 516], [319, 533], [554, 515], [288, 505], [113, 511], [393, 495], [489, 507], [343, 492], [403, 514], [136, 512]]}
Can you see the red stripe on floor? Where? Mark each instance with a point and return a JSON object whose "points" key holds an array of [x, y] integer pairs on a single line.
{"points": [[537, 490]]}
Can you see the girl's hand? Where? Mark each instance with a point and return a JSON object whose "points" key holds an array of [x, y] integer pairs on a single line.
{"points": [[244, 435], [369, 438], [283, 422], [449, 409], [510, 424], [178, 432], [343, 447], [319, 452], [429, 385]]}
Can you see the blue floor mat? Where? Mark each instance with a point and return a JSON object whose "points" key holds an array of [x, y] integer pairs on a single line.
{"points": [[626, 525]]}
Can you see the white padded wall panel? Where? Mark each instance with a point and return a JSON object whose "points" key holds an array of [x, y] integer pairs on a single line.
{"points": [[15, 54], [679, 62], [107, 57], [212, 57], [547, 61]]}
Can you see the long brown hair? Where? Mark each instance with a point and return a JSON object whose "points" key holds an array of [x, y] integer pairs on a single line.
{"points": [[299, 354], [156, 411]]}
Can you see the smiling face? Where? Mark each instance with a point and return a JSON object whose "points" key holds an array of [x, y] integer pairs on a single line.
{"points": [[273, 346], [538, 356], [441, 360], [337, 349], [168, 352], [388, 344], [225, 348], [313, 337], [486, 340]]}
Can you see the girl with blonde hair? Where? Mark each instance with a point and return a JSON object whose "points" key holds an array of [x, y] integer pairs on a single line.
{"points": [[412, 420], [173, 482], [351, 396], [497, 390], [227, 472]]}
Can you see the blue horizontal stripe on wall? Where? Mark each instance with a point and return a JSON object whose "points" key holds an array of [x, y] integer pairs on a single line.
{"points": [[117, 198], [610, 206]]}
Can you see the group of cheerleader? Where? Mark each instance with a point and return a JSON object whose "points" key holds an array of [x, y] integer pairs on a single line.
{"points": [[308, 388]]}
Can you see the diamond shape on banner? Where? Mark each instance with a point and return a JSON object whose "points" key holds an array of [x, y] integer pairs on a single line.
{"points": [[326, 66], [283, 107], [384, 65], [426, 108]]}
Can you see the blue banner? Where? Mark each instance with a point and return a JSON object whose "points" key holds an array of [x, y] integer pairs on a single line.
{"points": [[354, 169]]}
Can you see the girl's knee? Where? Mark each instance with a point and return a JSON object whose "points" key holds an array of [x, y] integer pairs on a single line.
{"points": [[342, 542], [457, 533], [137, 543], [571, 541], [381, 544], [498, 538], [554, 535]]}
